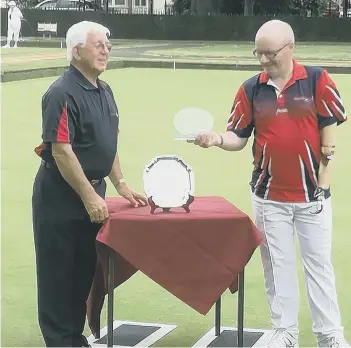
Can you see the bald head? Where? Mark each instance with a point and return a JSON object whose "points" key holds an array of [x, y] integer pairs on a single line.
{"points": [[276, 30], [274, 45]]}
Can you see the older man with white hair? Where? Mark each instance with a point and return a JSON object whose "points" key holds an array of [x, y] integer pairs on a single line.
{"points": [[294, 111], [14, 17], [80, 123]]}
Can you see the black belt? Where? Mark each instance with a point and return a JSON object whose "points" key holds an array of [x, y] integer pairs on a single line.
{"points": [[53, 165]]}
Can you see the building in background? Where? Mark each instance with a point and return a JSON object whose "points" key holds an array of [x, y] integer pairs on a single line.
{"points": [[335, 8], [140, 6]]}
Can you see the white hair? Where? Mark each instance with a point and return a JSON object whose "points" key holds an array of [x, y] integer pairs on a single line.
{"points": [[77, 35]]}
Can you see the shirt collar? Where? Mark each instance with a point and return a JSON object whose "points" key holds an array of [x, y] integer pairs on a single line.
{"points": [[82, 80], [299, 72]]}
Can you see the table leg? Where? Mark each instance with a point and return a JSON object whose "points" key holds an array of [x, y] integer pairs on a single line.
{"points": [[241, 301], [218, 318], [110, 303], [98, 333]]}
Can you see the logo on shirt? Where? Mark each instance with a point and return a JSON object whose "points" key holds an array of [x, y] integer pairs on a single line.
{"points": [[281, 111], [305, 99]]}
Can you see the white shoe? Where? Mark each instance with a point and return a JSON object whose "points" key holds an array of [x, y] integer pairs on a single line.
{"points": [[6, 46], [280, 339], [334, 342]]}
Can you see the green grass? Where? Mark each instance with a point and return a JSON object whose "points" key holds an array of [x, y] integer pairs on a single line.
{"points": [[146, 112], [243, 50], [23, 51], [23, 58], [209, 52]]}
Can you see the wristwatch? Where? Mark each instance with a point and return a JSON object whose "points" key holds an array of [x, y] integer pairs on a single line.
{"points": [[320, 193], [221, 143]]}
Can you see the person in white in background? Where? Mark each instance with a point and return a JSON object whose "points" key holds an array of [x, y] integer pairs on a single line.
{"points": [[14, 17]]}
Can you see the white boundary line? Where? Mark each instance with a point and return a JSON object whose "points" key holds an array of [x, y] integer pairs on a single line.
{"points": [[147, 342], [210, 336]]}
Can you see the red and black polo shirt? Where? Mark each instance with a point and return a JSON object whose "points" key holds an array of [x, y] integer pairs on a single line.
{"points": [[286, 126]]}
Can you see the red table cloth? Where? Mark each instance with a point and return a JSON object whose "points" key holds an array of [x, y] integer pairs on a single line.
{"points": [[195, 256]]}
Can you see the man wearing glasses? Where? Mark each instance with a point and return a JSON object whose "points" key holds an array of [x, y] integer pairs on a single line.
{"points": [[80, 125], [294, 111]]}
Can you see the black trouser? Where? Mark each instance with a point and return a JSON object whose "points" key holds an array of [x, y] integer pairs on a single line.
{"points": [[65, 261]]}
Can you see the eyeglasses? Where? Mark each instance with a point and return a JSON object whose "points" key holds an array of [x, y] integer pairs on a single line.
{"points": [[269, 55], [102, 46]]}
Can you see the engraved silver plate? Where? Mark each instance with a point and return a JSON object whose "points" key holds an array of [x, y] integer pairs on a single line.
{"points": [[168, 183]]}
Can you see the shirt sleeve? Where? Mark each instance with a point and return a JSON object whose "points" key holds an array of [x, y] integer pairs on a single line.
{"points": [[330, 108], [240, 120], [58, 117], [19, 13]]}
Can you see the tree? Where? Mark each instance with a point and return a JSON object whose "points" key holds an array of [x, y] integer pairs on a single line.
{"points": [[308, 7], [248, 7], [205, 7], [181, 6], [235, 7], [272, 7], [255, 7], [197, 7]]}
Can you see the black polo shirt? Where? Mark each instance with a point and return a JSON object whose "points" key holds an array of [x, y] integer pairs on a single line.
{"points": [[75, 111]]}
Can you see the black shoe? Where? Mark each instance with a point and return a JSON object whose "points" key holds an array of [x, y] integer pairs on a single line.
{"points": [[85, 342], [81, 342]]}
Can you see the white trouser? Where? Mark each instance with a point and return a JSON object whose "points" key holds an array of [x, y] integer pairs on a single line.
{"points": [[13, 30], [277, 222]]}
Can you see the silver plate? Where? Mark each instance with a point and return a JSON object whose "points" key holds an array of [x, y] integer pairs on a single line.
{"points": [[168, 181]]}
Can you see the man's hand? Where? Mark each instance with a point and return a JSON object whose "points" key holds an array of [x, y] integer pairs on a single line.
{"points": [[319, 194], [134, 198], [72, 172], [123, 190], [208, 139], [96, 208]]}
